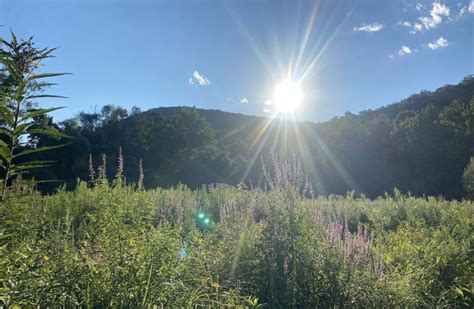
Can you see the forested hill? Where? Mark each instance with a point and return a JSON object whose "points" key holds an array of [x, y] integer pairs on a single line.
{"points": [[420, 145]]}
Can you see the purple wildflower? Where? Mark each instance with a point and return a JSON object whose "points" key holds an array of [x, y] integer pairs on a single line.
{"points": [[141, 174], [120, 162], [91, 169]]}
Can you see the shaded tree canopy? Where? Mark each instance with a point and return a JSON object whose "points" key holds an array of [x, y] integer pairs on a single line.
{"points": [[420, 145]]}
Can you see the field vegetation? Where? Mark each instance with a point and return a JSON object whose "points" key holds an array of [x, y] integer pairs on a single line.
{"points": [[111, 244]]}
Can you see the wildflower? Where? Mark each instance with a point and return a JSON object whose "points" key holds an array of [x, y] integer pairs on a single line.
{"points": [[285, 268], [120, 161], [103, 168], [91, 169], [141, 175]]}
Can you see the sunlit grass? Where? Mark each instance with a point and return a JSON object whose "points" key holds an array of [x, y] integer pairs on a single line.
{"points": [[114, 245]]}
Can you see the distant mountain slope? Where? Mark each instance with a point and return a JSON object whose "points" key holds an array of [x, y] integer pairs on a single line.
{"points": [[420, 145]]}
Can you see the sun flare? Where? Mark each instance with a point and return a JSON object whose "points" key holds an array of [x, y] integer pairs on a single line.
{"points": [[287, 96]]}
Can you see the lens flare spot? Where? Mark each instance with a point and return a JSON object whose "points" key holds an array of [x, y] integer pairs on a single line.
{"points": [[183, 253]]}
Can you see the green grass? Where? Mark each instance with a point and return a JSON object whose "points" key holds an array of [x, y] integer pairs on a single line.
{"points": [[116, 246]]}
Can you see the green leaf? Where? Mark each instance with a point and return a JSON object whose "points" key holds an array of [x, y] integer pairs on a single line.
{"points": [[21, 129], [459, 291], [40, 149], [5, 113], [49, 132], [6, 132], [20, 91], [33, 164], [4, 151], [39, 112], [45, 75], [6, 43], [45, 96], [14, 40], [4, 94]]}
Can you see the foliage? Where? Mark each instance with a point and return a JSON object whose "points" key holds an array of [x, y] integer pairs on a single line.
{"points": [[20, 123], [419, 145], [468, 179], [121, 246]]}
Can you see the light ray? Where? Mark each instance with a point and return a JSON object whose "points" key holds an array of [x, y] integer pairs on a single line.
{"points": [[309, 29], [315, 59], [347, 178], [263, 133], [251, 42]]}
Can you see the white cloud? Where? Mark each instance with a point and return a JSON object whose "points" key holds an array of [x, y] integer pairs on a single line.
{"points": [[243, 100], [436, 17], [418, 6], [266, 110], [469, 8], [441, 42], [198, 79], [418, 27], [369, 28], [405, 23], [268, 102], [404, 50]]}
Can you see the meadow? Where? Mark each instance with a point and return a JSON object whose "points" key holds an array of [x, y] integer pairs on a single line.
{"points": [[118, 245]]}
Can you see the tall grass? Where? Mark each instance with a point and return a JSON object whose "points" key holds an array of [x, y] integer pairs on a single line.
{"points": [[118, 245]]}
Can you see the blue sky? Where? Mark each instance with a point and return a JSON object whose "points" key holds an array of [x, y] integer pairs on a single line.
{"points": [[229, 55]]}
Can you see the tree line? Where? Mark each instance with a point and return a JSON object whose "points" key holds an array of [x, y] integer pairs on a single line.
{"points": [[422, 144]]}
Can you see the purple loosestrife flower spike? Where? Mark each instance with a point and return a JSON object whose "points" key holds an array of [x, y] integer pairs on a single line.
{"points": [[141, 175], [91, 169], [103, 168], [120, 162], [285, 268]]}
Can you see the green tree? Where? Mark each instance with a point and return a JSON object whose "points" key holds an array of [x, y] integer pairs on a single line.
{"points": [[468, 179], [459, 116]]}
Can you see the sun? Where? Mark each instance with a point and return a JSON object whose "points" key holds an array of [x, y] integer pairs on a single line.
{"points": [[287, 96]]}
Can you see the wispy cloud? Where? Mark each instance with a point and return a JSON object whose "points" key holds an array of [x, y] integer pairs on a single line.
{"points": [[441, 42], [467, 9], [404, 50], [417, 27], [369, 28], [198, 79], [438, 11], [267, 106], [243, 100]]}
